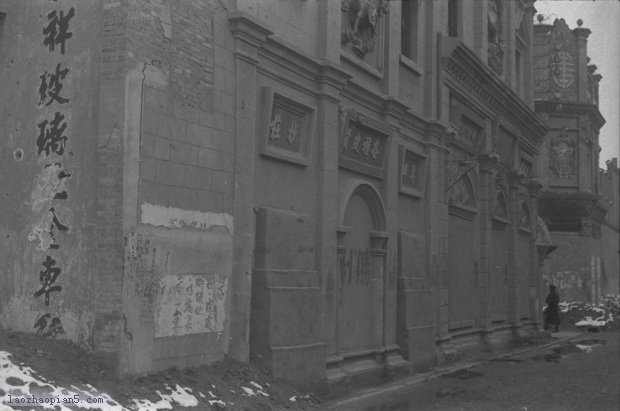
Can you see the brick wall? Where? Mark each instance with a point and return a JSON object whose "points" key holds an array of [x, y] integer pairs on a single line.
{"points": [[108, 234], [184, 144], [184, 161]]}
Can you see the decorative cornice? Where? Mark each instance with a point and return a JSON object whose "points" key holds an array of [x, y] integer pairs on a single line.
{"points": [[463, 211], [394, 108], [566, 107], [248, 28], [285, 56], [332, 75], [436, 134], [499, 223], [462, 65], [285, 59], [361, 94]]}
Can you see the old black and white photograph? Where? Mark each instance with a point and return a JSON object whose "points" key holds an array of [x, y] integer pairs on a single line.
{"points": [[321, 205]]}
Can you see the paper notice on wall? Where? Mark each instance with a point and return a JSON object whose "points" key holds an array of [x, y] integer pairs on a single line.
{"points": [[190, 304]]}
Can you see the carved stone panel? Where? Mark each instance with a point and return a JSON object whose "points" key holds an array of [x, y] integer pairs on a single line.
{"points": [[364, 144], [286, 128], [470, 128], [563, 155], [412, 172], [562, 62], [461, 188]]}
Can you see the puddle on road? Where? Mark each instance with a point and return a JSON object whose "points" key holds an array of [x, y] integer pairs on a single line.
{"points": [[506, 359], [465, 374]]}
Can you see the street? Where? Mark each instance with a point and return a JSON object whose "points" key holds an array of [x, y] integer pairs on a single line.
{"points": [[580, 374]]}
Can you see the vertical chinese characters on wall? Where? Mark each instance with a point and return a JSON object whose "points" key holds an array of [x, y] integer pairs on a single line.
{"points": [[51, 142]]}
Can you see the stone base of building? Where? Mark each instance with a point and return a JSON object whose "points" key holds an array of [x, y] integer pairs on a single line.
{"points": [[367, 368], [497, 337], [467, 343]]}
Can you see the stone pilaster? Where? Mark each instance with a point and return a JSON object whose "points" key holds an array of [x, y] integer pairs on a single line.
{"points": [[513, 234], [249, 35], [486, 163], [582, 62], [436, 232], [535, 278], [331, 80], [393, 112]]}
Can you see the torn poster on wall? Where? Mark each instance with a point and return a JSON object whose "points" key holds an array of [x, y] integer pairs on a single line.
{"points": [[189, 304]]}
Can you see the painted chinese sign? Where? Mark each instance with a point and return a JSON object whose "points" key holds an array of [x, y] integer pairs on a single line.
{"points": [[412, 167], [363, 145], [287, 130], [51, 139]]}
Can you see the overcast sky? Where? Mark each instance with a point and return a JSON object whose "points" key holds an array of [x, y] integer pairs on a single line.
{"points": [[602, 17]]}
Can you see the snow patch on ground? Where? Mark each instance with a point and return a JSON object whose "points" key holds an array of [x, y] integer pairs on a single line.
{"points": [[586, 348], [19, 383], [592, 315], [179, 395], [259, 389], [589, 322], [248, 391]]}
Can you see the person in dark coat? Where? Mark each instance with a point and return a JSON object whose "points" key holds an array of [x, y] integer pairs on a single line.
{"points": [[552, 311]]}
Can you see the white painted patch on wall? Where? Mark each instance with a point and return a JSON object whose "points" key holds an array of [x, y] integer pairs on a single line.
{"points": [[41, 231], [49, 184], [190, 304], [172, 217]]}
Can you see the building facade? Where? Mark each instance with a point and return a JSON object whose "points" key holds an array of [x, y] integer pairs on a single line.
{"points": [[339, 189], [578, 201]]}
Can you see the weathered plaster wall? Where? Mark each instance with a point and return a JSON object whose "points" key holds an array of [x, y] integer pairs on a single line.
{"points": [[175, 294], [177, 211], [49, 65]]}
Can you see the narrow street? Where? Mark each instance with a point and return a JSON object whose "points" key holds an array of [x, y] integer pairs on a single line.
{"points": [[579, 374]]}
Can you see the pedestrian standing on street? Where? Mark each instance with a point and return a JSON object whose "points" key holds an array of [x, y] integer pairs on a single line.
{"points": [[552, 311]]}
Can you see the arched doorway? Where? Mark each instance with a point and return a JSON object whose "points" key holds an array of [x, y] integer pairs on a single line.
{"points": [[361, 267]]}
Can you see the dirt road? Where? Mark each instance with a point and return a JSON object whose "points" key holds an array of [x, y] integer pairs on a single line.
{"points": [[581, 374]]}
